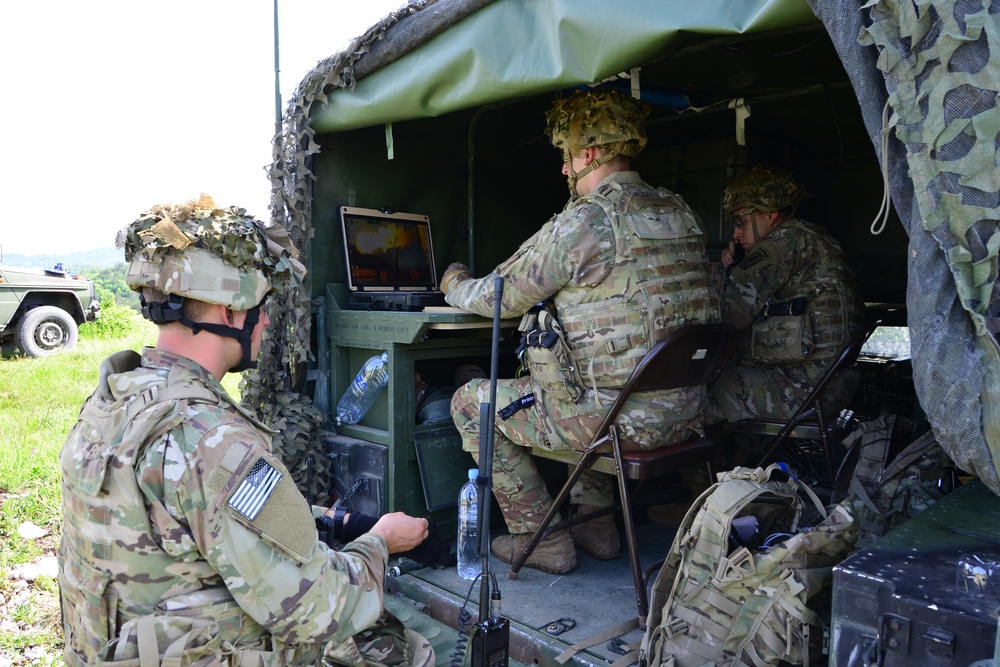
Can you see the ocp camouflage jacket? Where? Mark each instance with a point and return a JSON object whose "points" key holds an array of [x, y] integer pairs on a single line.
{"points": [[185, 537]]}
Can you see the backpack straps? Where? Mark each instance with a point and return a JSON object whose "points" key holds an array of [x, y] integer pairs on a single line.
{"points": [[601, 637]]}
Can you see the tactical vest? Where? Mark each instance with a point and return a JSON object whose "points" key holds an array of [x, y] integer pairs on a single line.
{"points": [[659, 282], [815, 314], [183, 615]]}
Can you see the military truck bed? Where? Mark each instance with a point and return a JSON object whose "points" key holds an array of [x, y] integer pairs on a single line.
{"points": [[597, 596]]}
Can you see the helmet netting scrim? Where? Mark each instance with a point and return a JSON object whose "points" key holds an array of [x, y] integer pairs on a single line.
{"points": [[763, 188], [600, 117], [202, 251]]}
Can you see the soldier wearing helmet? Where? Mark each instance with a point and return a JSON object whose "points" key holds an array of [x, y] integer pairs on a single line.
{"points": [[620, 267], [790, 292], [184, 537]]}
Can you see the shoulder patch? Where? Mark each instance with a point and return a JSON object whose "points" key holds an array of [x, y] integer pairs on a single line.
{"points": [[256, 488], [761, 256], [265, 499]]}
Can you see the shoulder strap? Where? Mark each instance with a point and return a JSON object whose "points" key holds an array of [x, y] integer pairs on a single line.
{"points": [[913, 451]]}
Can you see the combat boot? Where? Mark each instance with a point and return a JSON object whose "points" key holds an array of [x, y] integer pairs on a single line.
{"points": [[598, 538], [555, 554]]}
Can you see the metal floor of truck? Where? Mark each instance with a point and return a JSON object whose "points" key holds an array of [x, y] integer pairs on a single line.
{"points": [[596, 596]]}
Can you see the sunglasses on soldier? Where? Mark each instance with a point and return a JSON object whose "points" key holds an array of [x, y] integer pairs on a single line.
{"points": [[740, 218]]}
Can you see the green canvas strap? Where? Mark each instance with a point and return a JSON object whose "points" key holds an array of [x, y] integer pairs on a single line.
{"points": [[599, 638]]}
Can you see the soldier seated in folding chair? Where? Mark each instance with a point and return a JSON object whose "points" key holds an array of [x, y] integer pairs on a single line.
{"points": [[793, 297], [621, 266]]}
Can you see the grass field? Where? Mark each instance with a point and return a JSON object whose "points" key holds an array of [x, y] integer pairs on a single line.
{"points": [[39, 402]]}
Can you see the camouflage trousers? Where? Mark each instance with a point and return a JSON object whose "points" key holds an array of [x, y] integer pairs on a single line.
{"points": [[517, 484], [775, 392]]}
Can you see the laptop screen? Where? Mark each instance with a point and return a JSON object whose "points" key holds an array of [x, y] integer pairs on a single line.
{"points": [[387, 251]]}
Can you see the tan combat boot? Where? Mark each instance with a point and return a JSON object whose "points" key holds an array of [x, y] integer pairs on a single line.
{"points": [[555, 554], [598, 537]]}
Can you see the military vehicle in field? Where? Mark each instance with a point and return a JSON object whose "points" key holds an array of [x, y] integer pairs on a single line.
{"points": [[886, 111], [40, 309]]}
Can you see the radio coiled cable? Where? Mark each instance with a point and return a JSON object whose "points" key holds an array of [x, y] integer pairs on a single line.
{"points": [[464, 622]]}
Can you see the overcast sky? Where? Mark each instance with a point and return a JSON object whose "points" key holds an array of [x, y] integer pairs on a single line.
{"points": [[111, 106]]}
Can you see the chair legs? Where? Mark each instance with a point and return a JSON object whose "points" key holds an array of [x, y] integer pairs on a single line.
{"points": [[642, 603], [545, 528]]}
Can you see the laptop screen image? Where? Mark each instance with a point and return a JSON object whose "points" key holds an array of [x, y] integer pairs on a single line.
{"points": [[388, 254]]}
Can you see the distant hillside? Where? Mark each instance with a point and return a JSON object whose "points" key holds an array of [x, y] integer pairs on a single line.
{"points": [[73, 261]]}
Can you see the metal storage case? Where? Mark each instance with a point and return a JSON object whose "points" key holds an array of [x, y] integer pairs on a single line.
{"points": [[902, 602]]}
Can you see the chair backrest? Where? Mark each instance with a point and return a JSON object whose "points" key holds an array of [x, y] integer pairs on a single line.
{"points": [[689, 355]]}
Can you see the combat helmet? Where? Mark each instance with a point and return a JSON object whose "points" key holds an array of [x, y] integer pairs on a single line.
{"points": [[597, 117], [198, 250], [764, 188]]}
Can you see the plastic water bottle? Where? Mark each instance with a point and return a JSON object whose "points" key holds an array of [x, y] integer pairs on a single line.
{"points": [[367, 384], [469, 565]]}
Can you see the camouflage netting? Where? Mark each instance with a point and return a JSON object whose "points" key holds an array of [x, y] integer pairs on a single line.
{"points": [[273, 391], [936, 64]]}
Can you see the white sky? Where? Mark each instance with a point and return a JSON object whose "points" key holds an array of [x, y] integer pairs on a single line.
{"points": [[111, 106]]}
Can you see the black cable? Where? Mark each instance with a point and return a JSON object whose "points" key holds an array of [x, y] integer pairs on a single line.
{"points": [[765, 54], [464, 622]]}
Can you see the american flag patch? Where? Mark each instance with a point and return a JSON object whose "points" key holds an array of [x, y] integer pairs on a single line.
{"points": [[255, 489]]}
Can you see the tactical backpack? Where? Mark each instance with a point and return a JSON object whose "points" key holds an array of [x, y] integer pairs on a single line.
{"points": [[886, 490], [739, 584]]}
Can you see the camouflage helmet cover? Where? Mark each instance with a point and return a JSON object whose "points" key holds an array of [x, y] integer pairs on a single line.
{"points": [[208, 253], [600, 117], [764, 188]]}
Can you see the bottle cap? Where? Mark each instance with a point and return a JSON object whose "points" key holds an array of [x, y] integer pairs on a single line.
{"points": [[473, 473]]}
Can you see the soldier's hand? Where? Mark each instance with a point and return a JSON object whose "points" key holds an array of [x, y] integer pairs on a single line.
{"points": [[400, 531], [455, 273], [728, 255]]}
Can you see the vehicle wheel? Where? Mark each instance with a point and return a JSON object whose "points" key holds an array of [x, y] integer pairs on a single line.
{"points": [[46, 330]]}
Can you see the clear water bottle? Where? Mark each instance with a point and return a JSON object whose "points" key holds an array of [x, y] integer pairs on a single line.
{"points": [[469, 565], [369, 382]]}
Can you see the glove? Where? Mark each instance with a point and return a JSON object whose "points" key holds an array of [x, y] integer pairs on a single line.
{"points": [[433, 551], [356, 526], [454, 274]]}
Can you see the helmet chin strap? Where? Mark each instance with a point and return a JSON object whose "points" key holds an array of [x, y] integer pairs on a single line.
{"points": [[756, 230], [164, 312], [574, 176]]}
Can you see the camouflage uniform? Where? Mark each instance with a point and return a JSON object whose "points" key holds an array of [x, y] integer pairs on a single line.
{"points": [[156, 536], [780, 358], [184, 538], [622, 266]]}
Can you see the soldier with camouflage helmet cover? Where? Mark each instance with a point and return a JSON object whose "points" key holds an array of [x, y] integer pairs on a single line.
{"points": [[184, 537], [793, 297], [620, 267]]}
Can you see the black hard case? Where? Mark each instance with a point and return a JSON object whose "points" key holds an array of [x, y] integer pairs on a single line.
{"points": [[899, 602]]}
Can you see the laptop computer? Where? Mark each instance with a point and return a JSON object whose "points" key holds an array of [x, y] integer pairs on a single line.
{"points": [[390, 260]]}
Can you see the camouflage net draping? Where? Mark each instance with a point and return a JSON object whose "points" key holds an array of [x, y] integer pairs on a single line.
{"points": [[937, 64], [270, 391]]}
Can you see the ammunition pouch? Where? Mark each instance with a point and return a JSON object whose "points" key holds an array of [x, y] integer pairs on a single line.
{"points": [[782, 334], [544, 352]]}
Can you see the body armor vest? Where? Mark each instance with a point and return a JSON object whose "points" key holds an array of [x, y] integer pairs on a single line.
{"points": [[659, 282], [107, 605], [831, 313]]}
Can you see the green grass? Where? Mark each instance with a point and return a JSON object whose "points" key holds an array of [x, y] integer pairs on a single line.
{"points": [[39, 402]]}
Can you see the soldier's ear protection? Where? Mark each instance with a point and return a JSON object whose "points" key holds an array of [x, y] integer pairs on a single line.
{"points": [[162, 312]]}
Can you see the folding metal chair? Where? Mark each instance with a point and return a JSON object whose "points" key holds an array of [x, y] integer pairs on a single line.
{"points": [[808, 420], [690, 355]]}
